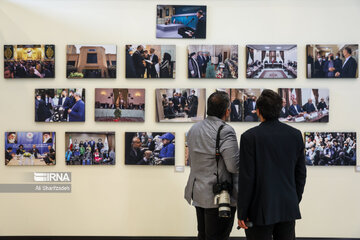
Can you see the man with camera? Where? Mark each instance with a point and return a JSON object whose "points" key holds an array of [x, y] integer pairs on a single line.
{"points": [[214, 160], [272, 174]]}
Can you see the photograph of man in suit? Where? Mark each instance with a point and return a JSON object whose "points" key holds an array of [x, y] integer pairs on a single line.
{"points": [[250, 109], [271, 177], [200, 31], [154, 59], [284, 113], [138, 59], [77, 112], [318, 67], [322, 104], [193, 104], [135, 154], [201, 140], [309, 107], [193, 66], [295, 109], [236, 111], [349, 68]]}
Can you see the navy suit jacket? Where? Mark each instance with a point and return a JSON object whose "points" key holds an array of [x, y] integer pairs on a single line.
{"points": [[349, 69], [77, 113], [309, 108], [292, 110]]}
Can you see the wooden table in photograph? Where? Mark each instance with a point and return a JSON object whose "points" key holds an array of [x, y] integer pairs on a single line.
{"points": [[319, 118], [26, 162]]}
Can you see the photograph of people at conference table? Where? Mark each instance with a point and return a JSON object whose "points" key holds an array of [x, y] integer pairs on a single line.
{"points": [[271, 61], [304, 104], [150, 148], [90, 148], [60, 105], [213, 61], [180, 104], [90, 61], [181, 21], [30, 148], [330, 148], [29, 61], [243, 103], [150, 61], [332, 61], [120, 104]]}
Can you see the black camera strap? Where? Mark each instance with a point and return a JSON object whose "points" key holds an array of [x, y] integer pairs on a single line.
{"points": [[217, 152]]}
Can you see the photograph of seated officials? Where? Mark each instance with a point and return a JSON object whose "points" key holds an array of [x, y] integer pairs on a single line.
{"points": [[29, 61], [90, 148], [180, 104], [150, 148], [304, 104], [150, 61], [332, 61], [271, 61], [120, 104], [90, 61], [30, 148], [60, 105], [213, 61], [243, 103], [181, 21], [330, 148]]}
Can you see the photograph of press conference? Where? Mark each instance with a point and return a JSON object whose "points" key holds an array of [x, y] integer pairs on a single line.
{"points": [[120, 104], [150, 61], [180, 104], [90, 148], [150, 148], [271, 61], [304, 104], [330, 148], [60, 105], [29, 61], [213, 61], [30, 148], [181, 21], [332, 61]]}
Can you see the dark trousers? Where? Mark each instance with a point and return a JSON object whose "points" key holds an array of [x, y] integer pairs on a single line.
{"points": [[213, 227], [278, 231]]}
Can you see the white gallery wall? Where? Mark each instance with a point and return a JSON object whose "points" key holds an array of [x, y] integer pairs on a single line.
{"points": [[148, 201]]}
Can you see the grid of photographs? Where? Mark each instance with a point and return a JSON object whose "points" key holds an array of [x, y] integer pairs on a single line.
{"points": [[181, 21], [332, 61], [213, 61], [150, 61], [30, 149], [150, 148], [330, 148], [271, 61], [90, 148], [29, 61], [180, 104], [91, 61], [119, 105], [304, 104], [60, 105]]}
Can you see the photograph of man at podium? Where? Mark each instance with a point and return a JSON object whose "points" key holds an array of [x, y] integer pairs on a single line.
{"points": [[181, 21], [271, 61], [304, 105], [332, 61]]}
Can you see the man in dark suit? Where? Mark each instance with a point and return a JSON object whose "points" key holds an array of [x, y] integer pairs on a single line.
{"points": [[92, 145], [201, 62], [318, 67], [284, 113], [65, 102], [43, 111], [309, 106], [295, 109], [200, 31], [271, 176], [322, 104], [77, 112], [138, 60], [176, 101], [154, 60], [236, 111], [338, 63], [250, 109], [135, 154], [193, 104], [130, 68], [349, 67]]}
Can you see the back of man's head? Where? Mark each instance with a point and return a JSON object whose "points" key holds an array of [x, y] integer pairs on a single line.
{"points": [[217, 104], [269, 105]]}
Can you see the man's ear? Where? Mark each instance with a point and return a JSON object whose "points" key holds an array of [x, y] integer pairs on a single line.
{"points": [[258, 112]]}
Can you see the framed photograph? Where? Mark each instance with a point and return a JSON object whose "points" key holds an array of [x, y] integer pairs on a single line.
{"points": [[29, 61], [181, 21], [150, 148], [332, 61], [213, 61], [243, 103], [150, 61], [180, 104], [120, 104], [90, 148], [330, 148], [91, 61], [30, 148], [60, 105], [271, 61], [305, 104]]}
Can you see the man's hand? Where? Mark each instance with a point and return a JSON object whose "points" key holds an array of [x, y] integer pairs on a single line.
{"points": [[242, 224]]}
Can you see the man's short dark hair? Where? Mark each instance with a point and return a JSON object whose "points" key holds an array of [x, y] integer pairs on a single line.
{"points": [[269, 104], [217, 104], [348, 50], [200, 12]]}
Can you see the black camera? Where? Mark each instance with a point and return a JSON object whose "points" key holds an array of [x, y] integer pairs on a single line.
{"points": [[222, 198]]}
